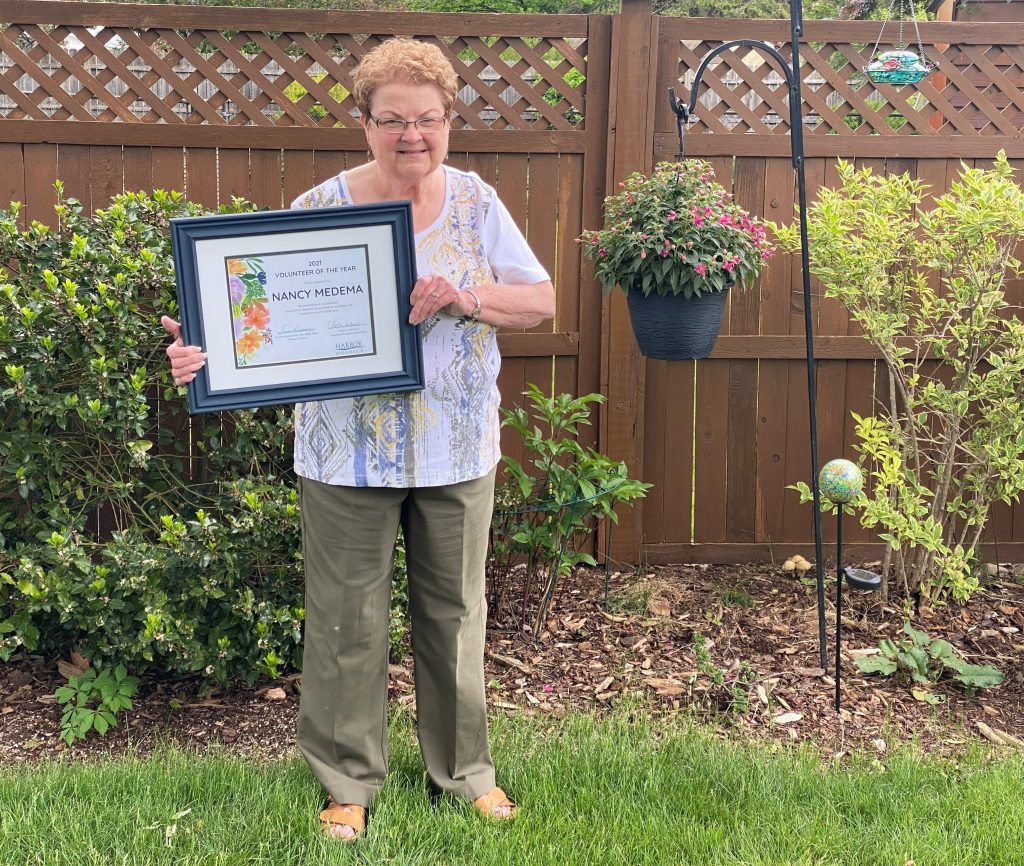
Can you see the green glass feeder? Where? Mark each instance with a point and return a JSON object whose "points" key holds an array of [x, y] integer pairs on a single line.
{"points": [[897, 67]]}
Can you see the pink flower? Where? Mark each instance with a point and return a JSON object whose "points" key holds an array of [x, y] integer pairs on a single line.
{"points": [[643, 254], [602, 252], [700, 269], [697, 221], [671, 215], [664, 253], [548, 688], [728, 265]]}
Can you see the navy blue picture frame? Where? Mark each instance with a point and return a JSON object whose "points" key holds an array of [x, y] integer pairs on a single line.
{"points": [[404, 374]]}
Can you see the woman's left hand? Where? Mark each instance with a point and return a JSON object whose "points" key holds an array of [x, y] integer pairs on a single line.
{"points": [[433, 294]]}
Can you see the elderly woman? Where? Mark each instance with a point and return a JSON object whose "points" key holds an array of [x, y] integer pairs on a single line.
{"points": [[424, 460]]}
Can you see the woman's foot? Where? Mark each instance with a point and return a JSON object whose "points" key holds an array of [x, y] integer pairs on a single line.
{"points": [[343, 821], [496, 805]]}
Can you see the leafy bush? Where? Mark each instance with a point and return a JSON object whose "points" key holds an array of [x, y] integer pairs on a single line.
{"points": [[120, 535], [928, 285], [548, 512], [93, 700]]}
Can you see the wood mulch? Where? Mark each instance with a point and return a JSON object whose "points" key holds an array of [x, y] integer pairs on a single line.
{"points": [[733, 645]]}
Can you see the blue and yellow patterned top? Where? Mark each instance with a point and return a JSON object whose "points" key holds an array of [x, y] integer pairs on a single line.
{"points": [[448, 432]]}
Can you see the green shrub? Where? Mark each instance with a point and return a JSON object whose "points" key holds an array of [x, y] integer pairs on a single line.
{"points": [[93, 700], [927, 285], [129, 531]]}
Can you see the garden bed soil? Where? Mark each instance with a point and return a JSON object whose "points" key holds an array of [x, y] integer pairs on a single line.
{"points": [[757, 676]]}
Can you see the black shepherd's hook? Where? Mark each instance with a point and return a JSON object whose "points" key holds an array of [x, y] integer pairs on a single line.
{"points": [[683, 114]]}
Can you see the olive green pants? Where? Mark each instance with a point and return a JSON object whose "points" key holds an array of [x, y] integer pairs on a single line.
{"points": [[348, 542]]}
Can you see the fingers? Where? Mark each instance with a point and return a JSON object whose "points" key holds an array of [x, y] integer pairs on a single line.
{"points": [[430, 295], [172, 327], [186, 361]]}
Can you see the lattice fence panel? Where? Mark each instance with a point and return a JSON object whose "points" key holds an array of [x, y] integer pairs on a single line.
{"points": [[163, 75], [976, 90]]}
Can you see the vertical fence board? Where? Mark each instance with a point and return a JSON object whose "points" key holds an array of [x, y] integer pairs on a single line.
{"points": [[567, 266], [777, 279], [12, 178], [711, 444], [298, 174], [773, 419], [232, 173], [741, 472], [201, 176], [40, 173], [265, 187], [106, 178], [328, 163], [677, 438], [542, 212], [796, 518], [656, 455], [73, 169], [169, 169], [138, 169]]}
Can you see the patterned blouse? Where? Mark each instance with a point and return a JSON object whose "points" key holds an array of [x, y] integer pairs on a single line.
{"points": [[448, 432]]}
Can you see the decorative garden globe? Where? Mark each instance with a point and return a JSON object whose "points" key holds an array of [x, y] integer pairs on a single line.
{"points": [[840, 481]]}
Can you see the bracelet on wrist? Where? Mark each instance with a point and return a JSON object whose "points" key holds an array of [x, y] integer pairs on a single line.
{"points": [[474, 314]]}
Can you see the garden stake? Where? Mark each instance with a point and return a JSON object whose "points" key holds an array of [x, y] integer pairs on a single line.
{"points": [[841, 482], [796, 143]]}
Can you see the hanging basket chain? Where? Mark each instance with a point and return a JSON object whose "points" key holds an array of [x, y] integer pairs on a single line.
{"points": [[902, 13]]}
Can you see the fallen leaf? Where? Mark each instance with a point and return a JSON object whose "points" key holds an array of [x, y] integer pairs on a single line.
{"points": [[861, 652], [531, 699], [69, 669], [788, 718], [607, 681], [809, 672], [275, 694]]}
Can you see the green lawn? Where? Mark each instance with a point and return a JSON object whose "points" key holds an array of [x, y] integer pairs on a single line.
{"points": [[594, 793]]}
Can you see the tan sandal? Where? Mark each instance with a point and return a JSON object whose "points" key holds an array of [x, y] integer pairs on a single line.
{"points": [[495, 799], [343, 815]]}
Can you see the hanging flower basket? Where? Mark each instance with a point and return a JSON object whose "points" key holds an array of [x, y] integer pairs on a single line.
{"points": [[675, 327], [675, 241]]}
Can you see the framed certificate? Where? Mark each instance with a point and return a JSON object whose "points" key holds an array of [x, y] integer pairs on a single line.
{"points": [[298, 305]]}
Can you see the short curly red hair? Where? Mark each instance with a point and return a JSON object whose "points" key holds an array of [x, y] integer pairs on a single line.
{"points": [[404, 60]]}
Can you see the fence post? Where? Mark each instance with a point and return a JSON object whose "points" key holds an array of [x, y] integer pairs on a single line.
{"points": [[630, 148]]}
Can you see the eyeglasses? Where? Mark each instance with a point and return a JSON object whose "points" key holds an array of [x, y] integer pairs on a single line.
{"points": [[397, 127]]}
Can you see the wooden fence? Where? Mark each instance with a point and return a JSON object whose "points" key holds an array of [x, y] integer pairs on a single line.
{"points": [[553, 110]]}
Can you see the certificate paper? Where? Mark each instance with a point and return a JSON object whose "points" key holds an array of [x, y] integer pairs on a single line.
{"points": [[298, 305], [307, 306]]}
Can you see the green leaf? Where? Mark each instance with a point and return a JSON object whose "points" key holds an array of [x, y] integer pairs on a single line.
{"points": [[979, 676], [876, 665], [919, 638]]}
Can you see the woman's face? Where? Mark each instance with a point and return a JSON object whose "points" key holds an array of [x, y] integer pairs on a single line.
{"points": [[413, 154]]}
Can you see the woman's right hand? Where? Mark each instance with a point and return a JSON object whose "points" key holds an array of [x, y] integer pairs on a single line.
{"points": [[186, 361]]}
